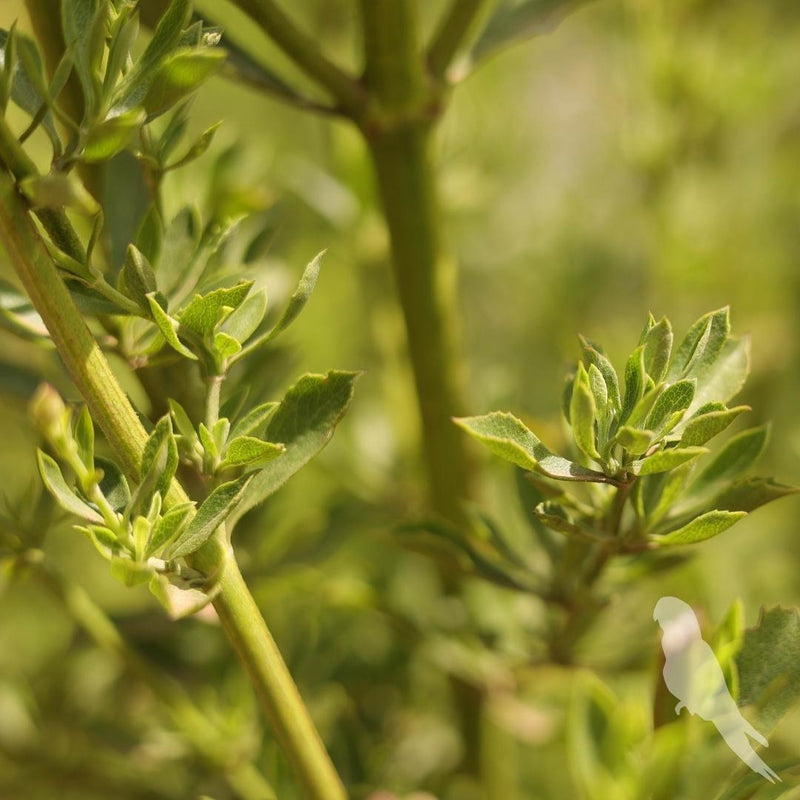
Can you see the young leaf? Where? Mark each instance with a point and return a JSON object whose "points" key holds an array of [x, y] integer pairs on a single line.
{"points": [[734, 458], [509, 438], [83, 24], [224, 347], [725, 378], [555, 517], [58, 190], [203, 313], [300, 297], [53, 480], [675, 398], [200, 146], [178, 75], [130, 573], [252, 423], [111, 136], [181, 240], [583, 414], [703, 527], [304, 422], [657, 342], [703, 337], [168, 528], [183, 423], [160, 456], [705, 425], [207, 440], [665, 460], [593, 356], [242, 323], [168, 327], [710, 343], [150, 236], [136, 278], [751, 493], [113, 484], [599, 390], [84, 438], [634, 382], [212, 513], [634, 440], [248, 451]]}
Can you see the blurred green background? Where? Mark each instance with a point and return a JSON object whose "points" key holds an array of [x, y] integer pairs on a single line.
{"points": [[645, 156]]}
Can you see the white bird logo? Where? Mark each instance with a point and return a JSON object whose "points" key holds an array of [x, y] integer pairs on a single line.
{"points": [[693, 674]]}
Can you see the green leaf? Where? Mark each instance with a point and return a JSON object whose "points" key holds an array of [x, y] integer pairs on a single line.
{"points": [[592, 355], [124, 33], [242, 323], [83, 24], [150, 236], [555, 517], [203, 313], [169, 527], [84, 438], [53, 480], [300, 297], [509, 438], [216, 508], [253, 423], [168, 328], [247, 451], [749, 494], [736, 456], [511, 24], [207, 440], [701, 345], [130, 573], [225, 347], [113, 484], [665, 460], [160, 456], [58, 190], [178, 75], [725, 378], [703, 527], [705, 425], [304, 422], [769, 664], [103, 539], [634, 440], [657, 343], [18, 314], [675, 398], [634, 382], [583, 414], [111, 136], [183, 422], [200, 146], [136, 278], [181, 239], [599, 391]]}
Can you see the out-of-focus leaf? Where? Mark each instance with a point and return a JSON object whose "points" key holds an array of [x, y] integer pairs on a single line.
{"points": [[304, 422], [129, 572], [83, 23], [109, 137], [634, 440], [665, 460], [181, 239], [150, 236], [200, 146], [703, 527], [300, 297], [769, 664], [735, 457], [509, 438], [58, 190], [178, 75], [242, 323], [555, 517], [18, 314], [53, 479], [216, 508], [751, 493]]}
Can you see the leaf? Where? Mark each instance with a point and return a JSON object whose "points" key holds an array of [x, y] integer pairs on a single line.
{"points": [[112, 135], [634, 440], [130, 573], [200, 146], [203, 312], [703, 527], [657, 343], [124, 33], [160, 457], [769, 664], [225, 347], [207, 440], [555, 517], [300, 297], [168, 328], [215, 509], [242, 323], [751, 493], [83, 434], [634, 382], [665, 460], [182, 421], [509, 438], [702, 342], [675, 398], [181, 239], [53, 480], [169, 527], [252, 423], [136, 278], [178, 75], [583, 414], [247, 451], [705, 425], [58, 190], [512, 24], [18, 314], [734, 458], [304, 422], [726, 377], [150, 236], [593, 356], [600, 392], [113, 484]]}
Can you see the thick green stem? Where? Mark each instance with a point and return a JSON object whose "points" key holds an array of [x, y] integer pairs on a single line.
{"points": [[115, 415], [399, 132]]}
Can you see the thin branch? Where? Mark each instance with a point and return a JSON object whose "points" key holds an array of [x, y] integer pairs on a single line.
{"points": [[451, 34], [304, 51]]}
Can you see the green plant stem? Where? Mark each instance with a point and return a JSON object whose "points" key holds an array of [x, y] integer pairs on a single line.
{"points": [[243, 777], [451, 33], [305, 52], [399, 137], [113, 412]]}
